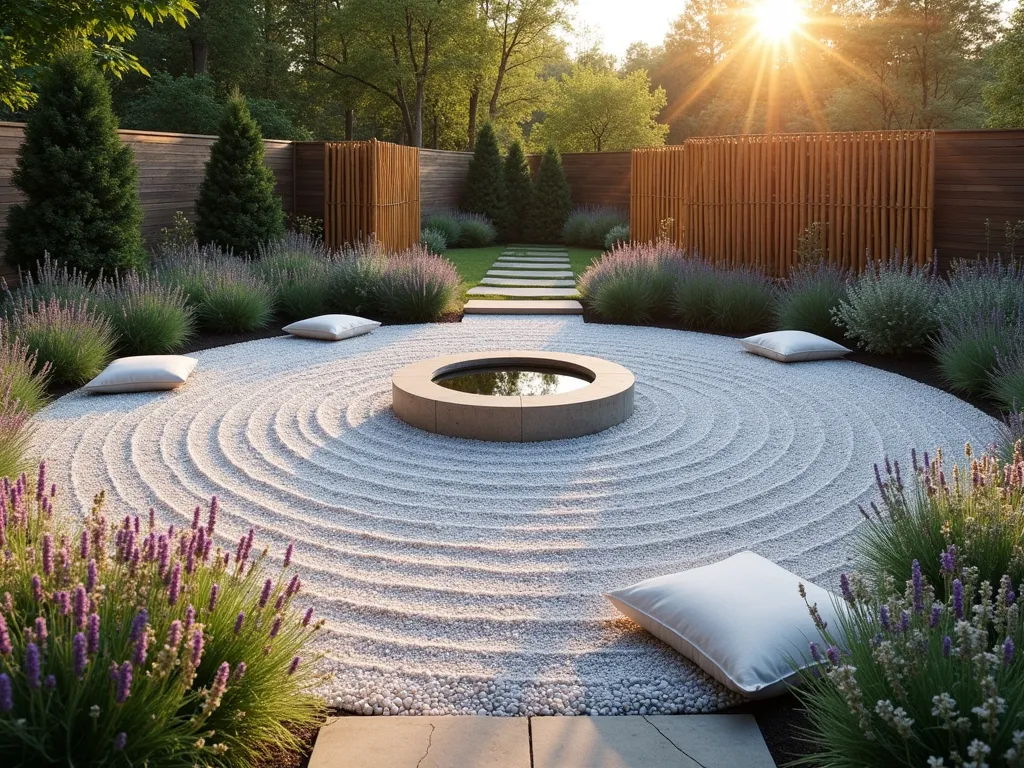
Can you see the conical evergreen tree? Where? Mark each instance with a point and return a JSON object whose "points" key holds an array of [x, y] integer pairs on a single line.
{"points": [[520, 191], [80, 182], [552, 200], [237, 207], [485, 185]]}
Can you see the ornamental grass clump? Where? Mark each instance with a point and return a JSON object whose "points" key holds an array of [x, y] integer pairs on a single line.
{"points": [[71, 337], [694, 295], [356, 277], [434, 241], [809, 298], [976, 508], [148, 316], [926, 675], [890, 308], [50, 280], [22, 393], [416, 286], [1007, 385], [125, 643], [588, 226], [969, 349], [743, 301], [445, 222], [631, 284], [297, 269], [475, 230]]}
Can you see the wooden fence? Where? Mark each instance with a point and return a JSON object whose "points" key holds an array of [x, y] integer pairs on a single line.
{"points": [[371, 189], [745, 200]]}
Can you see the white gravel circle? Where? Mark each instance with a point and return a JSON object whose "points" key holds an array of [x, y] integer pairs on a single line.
{"points": [[458, 576]]}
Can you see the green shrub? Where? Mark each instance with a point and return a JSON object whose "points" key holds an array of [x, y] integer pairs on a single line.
{"points": [[976, 507], [631, 284], [76, 341], [743, 301], [485, 191], [694, 295], [185, 104], [809, 298], [617, 235], [78, 179], [181, 233], [417, 287], [916, 672], [447, 223], [297, 269], [519, 188], [21, 373], [551, 201], [980, 290], [147, 316], [237, 207], [588, 226], [146, 646], [475, 231], [890, 309], [969, 351], [434, 241]]}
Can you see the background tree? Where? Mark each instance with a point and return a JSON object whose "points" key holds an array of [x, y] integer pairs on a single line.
{"points": [[33, 33], [552, 200], [80, 182], [603, 111], [1004, 97], [485, 182], [519, 188], [237, 206]]}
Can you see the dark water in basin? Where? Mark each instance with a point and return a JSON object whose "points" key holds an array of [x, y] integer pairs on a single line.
{"points": [[512, 381]]}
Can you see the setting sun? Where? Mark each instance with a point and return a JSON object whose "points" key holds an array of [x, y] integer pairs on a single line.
{"points": [[777, 19]]}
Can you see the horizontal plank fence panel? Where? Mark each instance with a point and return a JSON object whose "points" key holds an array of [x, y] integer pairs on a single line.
{"points": [[442, 179], [746, 200], [171, 169]]}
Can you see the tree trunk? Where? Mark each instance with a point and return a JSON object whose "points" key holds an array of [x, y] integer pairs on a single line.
{"points": [[350, 123], [474, 103], [200, 55], [417, 138], [433, 143]]}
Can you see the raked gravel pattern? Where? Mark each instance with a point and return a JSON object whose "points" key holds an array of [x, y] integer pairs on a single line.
{"points": [[458, 576]]}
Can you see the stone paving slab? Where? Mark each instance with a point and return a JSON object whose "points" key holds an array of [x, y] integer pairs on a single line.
{"points": [[524, 307], [528, 283], [535, 259], [524, 293], [499, 264], [547, 275], [662, 741], [423, 742]]}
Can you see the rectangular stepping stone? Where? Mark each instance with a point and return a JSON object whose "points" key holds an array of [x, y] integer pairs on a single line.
{"points": [[686, 741], [524, 307], [534, 259], [423, 742], [552, 275], [527, 265], [528, 283], [524, 293]]}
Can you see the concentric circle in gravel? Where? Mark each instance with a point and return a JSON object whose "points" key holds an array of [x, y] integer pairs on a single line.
{"points": [[460, 576]]}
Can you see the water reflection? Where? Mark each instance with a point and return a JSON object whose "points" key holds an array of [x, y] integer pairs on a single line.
{"points": [[512, 381]]}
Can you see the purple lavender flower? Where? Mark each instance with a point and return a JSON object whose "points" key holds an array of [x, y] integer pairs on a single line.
{"points": [[275, 627], [124, 683], [92, 632], [50, 682], [279, 603], [933, 619], [240, 550], [883, 617], [174, 633], [293, 586], [904, 624], [878, 480], [212, 521], [958, 599], [152, 518], [288, 553], [833, 655], [90, 577], [239, 671], [41, 481], [79, 604], [163, 553], [135, 524], [63, 601], [294, 665], [915, 577], [40, 631], [265, 593], [844, 583], [947, 646], [190, 617], [37, 589], [1010, 595], [78, 654], [947, 560], [120, 741], [197, 648], [308, 617], [6, 693], [141, 648], [814, 652], [83, 545], [239, 621], [220, 680], [214, 592], [5, 637], [32, 664], [1008, 648], [139, 625], [174, 589], [195, 518]]}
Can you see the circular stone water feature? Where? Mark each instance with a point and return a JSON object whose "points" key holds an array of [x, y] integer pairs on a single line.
{"points": [[513, 396]]}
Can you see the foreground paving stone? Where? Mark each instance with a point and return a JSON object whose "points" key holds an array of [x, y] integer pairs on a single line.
{"points": [[423, 742], [664, 741]]}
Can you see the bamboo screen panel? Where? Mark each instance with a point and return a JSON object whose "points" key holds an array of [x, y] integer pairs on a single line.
{"points": [[371, 191], [744, 200]]}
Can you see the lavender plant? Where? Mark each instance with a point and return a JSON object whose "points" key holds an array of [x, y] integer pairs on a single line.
{"points": [[968, 349], [588, 226], [976, 507], [71, 338], [148, 316], [125, 643], [15, 429], [416, 286], [809, 298], [928, 675], [1007, 385], [694, 294], [1010, 436], [20, 371], [631, 283], [619, 234], [434, 241], [297, 269], [890, 308], [475, 230], [743, 301], [50, 280]]}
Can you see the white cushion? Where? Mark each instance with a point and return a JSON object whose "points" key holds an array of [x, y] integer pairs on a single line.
{"points": [[331, 327], [145, 373], [741, 620], [793, 346]]}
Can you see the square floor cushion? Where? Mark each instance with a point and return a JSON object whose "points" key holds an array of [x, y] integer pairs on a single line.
{"points": [[146, 373], [741, 620], [793, 346], [331, 327]]}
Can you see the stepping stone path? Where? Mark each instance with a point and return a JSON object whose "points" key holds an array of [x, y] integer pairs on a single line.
{"points": [[529, 272]]}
